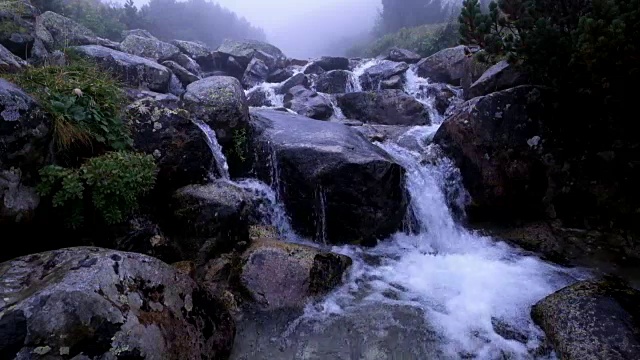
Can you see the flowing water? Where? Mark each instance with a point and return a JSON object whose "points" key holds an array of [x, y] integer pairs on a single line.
{"points": [[218, 156], [441, 292]]}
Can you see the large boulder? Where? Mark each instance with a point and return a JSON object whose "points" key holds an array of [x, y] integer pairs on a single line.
{"points": [[283, 275], [259, 97], [384, 107], [373, 76], [279, 75], [138, 32], [497, 141], [402, 55], [330, 63], [198, 52], [451, 66], [592, 320], [149, 48], [245, 50], [185, 76], [25, 133], [210, 219], [308, 103], [57, 31], [500, 76], [297, 79], [333, 82], [10, 63], [17, 26], [91, 302], [394, 82], [336, 185], [131, 69], [188, 63], [256, 73], [25, 136], [220, 102], [163, 128]]}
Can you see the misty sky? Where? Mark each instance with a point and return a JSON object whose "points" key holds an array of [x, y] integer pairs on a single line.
{"points": [[306, 28]]}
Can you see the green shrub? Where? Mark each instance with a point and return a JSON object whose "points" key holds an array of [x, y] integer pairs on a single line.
{"points": [[83, 100], [113, 183], [424, 40], [590, 47]]}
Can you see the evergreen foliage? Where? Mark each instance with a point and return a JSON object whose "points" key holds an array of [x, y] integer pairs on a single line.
{"points": [[112, 183]]}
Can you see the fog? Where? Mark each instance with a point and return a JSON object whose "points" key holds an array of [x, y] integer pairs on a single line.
{"points": [[307, 28]]}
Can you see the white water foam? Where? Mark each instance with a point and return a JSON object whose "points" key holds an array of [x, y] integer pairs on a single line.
{"points": [[269, 89], [466, 285], [216, 149]]}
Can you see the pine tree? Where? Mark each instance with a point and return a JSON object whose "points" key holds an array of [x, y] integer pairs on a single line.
{"points": [[472, 24]]}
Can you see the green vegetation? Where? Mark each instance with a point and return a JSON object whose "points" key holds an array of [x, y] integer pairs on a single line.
{"points": [[240, 144], [591, 47], [83, 101], [113, 182], [424, 40]]}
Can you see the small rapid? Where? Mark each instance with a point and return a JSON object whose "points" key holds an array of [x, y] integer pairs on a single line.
{"points": [[439, 291]]}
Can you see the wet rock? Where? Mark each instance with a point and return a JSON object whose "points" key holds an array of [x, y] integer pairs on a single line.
{"points": [[65, 32], [336, 186], [139, 234], [18, 202], [450, 66], [490, 140], [24, 133], [198, 52], [245, 50], [297, 62], [280, 75], [163, 128], [374, 75], [188, 63], [258, 97], [444, 97], [10, 63], [98, 303], [298, 79], [17, 19], [402, 55], [500, 76], [131, 69], [220, 102], [330, 63], [149, 48], [284, 275], [385, 107], [314, 69], [211, 219], [333, 82], [184, 75], [138, 32], [256, 73], [308, 103], [394, 82], [592, 320]]}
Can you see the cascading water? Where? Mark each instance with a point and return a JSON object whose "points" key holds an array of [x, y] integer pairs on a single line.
{"points": [[216, 149], [270, 92], [442, 292]]}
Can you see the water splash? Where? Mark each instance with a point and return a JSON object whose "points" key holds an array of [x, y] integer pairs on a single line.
{"points": [[216, 149], [271, 94]]}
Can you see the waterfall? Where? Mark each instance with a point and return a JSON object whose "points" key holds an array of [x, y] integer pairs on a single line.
{"points": [[216, 149], [269, 90]]}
